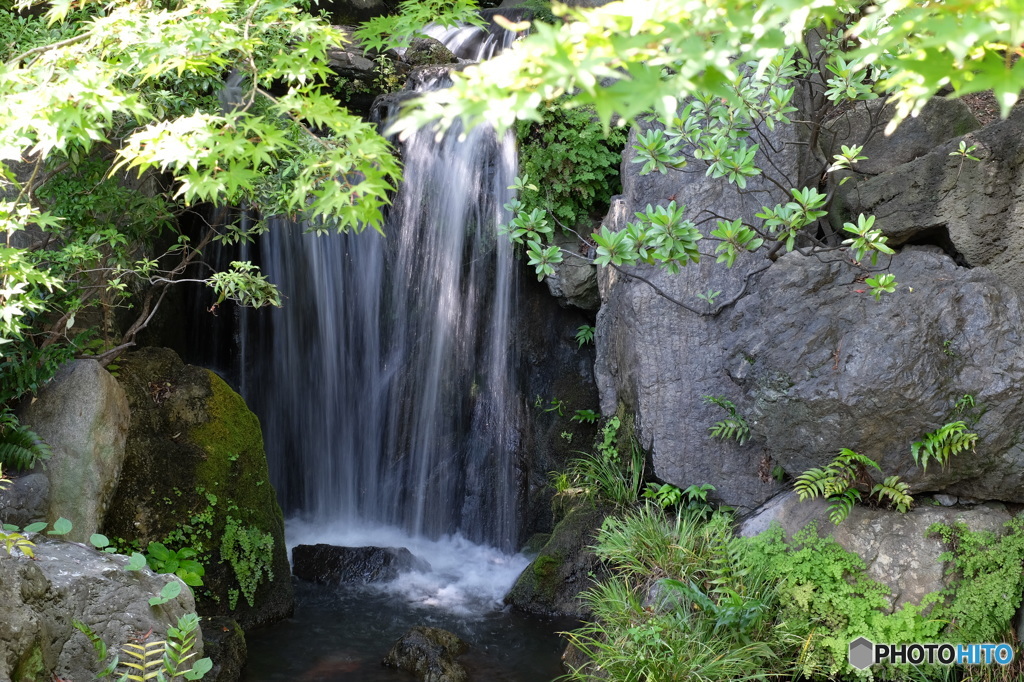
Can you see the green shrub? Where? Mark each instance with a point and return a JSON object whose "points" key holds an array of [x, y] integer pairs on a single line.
{"points": [[572, 161]]}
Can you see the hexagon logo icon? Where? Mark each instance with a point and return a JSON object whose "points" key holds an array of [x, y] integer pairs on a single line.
{"points": [[862, 653]]}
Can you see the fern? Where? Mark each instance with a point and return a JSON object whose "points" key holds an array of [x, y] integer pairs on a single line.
{"points": [[836, 483], [896, 490], [840, 505], [143, 661], [733, 427], [20, 448], [950, 439]]}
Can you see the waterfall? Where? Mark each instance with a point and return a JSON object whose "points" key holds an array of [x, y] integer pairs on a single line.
{"points": [[384, 382]]}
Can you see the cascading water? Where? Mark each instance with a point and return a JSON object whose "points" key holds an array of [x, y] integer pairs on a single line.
{"points": [[388, 405], [384, 382]]}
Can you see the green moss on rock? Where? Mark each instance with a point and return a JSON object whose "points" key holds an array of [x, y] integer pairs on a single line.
{"points": [[565, 567], [31, 667], [196, 475]]}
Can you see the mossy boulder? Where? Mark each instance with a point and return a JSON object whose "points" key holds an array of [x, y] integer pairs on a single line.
{"points": [[565, 567], [195, 475]]}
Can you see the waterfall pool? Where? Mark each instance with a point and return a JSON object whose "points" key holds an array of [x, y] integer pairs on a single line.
{"points": [[343, 632]]}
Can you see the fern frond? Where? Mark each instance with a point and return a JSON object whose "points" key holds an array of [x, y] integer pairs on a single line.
{"points": [[850, 459], [733, 428], [812, 483], [896, 490], [21, 448], [840, 505], [948, 440]]}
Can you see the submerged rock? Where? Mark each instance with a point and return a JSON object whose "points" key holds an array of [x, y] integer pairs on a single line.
{"points": [[330, 564], [429, 654], [67, 581]]}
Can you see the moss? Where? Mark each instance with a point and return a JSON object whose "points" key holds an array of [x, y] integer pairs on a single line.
{"points": [[545, 565], [233, 442], [31, 667], [195, 474]]}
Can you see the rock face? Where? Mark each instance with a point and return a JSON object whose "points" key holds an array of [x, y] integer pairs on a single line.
{"points": [[551, 584], [894, 547], [66, 582], [575, 280], [25, 499], [83, 415], [823, 367], [940, 120], [196, 475], [809, 358], [657, 358], [425, 50], [429, 654], [979, 204], [331, 565], [552, 366]]}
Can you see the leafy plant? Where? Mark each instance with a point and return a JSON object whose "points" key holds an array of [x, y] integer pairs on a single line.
{"points": [[586, 416], [985, 592], [20, 447], [574, 160], [164, 660], [584, 335], [734, 427], [180, 562], [837, 481], [249, 551], [939, 445], [665, 495]]}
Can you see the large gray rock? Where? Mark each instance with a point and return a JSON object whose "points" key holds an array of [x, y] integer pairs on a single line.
{"points": [[83, 415], [67, 581], [896, 548], [195, 457], [863, 125], [429, 654], [978, 203], [658, 358], [822, 366]]}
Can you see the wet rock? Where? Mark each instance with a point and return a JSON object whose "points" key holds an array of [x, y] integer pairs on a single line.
{"points": [[67, 581], [425, 50], [195, 456], [565, 567], [429, 653], [224, 642], [83, 415], [575, 279], [330, 564], [895, 547], [820, 366]]}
